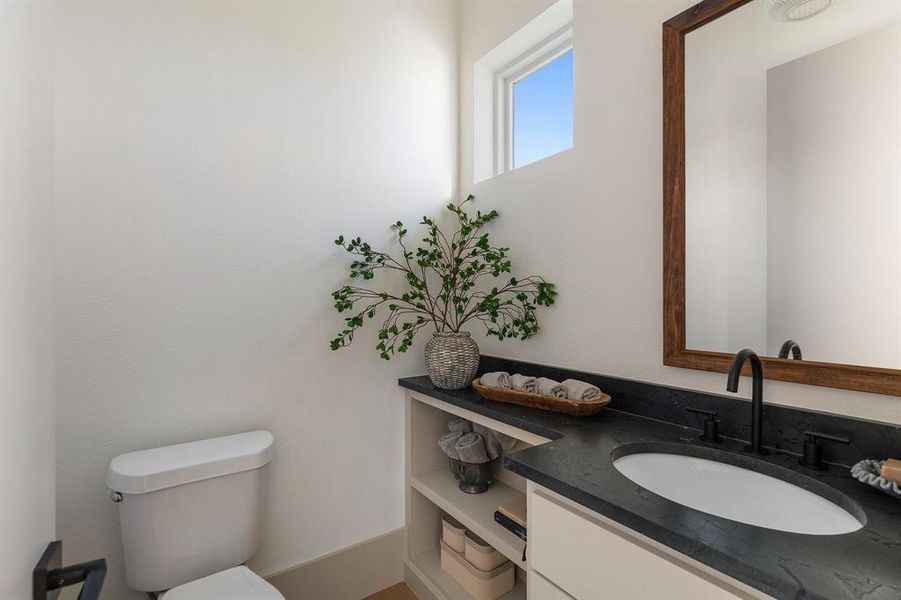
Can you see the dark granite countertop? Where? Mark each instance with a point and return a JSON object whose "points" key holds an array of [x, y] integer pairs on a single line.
{"points": [[577, 464]]}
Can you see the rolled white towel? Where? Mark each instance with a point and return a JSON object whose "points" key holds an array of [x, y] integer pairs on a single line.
{"points": [[580, 390], [492, 444], [549, 387], [470, 448], [496, 443], [448, 443], [524, 383], [460, 425], [498, 379]]}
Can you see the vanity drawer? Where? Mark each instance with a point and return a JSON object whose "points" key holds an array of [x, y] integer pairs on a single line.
{"points": [[542, 589], [589, 561]]}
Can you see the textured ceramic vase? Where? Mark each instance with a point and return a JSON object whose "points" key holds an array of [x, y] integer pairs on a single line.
{"points": [[451, 360]]}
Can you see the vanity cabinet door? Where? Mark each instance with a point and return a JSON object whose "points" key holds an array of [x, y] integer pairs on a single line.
{"points": [[591, 562], [542, 589]]}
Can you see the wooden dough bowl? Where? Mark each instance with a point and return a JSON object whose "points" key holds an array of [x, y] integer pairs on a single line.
{"points": [[560, 405]]}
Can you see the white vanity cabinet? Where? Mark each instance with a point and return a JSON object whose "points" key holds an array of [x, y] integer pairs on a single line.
{"points": [[573, 552], [539, 587], [576, 553]]}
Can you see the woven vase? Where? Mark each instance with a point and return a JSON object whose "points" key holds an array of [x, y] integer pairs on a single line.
{"points": [[451, 360]]}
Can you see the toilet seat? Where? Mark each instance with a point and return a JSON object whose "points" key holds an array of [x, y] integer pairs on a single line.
{"points": [[238, 583]]}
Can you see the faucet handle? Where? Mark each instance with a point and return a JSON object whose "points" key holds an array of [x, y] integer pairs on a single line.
{"points": [[711, 424], [813, 450]]}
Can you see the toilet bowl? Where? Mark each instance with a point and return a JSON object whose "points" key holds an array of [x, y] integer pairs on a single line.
{"points": [[190, 516], [237, 583]]}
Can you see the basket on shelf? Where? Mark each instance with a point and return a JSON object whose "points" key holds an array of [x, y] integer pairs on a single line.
{"points": [[576, 408]]}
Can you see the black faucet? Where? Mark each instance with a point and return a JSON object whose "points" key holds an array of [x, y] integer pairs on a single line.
{"points": [[756, 446], [790, 346]]}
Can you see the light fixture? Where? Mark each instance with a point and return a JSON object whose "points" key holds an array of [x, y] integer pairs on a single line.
{"points": [[789, 11]]}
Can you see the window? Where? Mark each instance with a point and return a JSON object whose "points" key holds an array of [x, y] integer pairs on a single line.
{"points": [[541, 123], [523, 92]]}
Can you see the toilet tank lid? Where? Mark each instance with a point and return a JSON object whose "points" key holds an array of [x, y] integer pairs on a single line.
{"points": [[159, 468]]}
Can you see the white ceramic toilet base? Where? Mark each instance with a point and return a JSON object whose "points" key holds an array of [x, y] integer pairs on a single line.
{"points": [[238, 583]]}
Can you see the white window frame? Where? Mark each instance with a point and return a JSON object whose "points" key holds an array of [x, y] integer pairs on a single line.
{"points": [[540, 55], [543, 39]]}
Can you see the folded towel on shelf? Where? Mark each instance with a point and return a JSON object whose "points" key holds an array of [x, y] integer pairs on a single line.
{"points": [[580, 390], [549, 387], [498, 379], [524, 383], [448, 443], [470, 448], [460, 425], [496, 443]]}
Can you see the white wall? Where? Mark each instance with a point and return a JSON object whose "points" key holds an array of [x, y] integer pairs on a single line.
{"points": [[590, 218], [834, 180], [208, 153], [27, 477]]}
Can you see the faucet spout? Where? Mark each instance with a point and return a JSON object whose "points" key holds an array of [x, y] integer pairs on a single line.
{"points": [[790, 346], [756, 446]]}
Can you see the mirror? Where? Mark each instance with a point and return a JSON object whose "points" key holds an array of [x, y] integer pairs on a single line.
{"points": [[783, 188]]}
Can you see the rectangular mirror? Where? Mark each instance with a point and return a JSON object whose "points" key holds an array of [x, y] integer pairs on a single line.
{"points": [[782, 152]]}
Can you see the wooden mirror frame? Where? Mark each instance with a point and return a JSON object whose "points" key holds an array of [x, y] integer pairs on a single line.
{"points": [[851, 377]]}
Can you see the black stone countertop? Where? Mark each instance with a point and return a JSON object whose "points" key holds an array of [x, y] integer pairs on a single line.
{"points": [[577, 464]]}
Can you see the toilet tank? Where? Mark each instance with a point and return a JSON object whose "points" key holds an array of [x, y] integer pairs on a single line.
{"points": [[189, 510]]}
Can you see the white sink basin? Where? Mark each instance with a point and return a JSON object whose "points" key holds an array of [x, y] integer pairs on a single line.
{"points": [[735, 493]]}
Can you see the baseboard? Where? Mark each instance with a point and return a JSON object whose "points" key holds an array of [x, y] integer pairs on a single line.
{"points": [[350, 573]]}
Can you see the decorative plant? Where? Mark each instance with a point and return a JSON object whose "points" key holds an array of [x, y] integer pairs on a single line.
{"points": [[446, 286]]}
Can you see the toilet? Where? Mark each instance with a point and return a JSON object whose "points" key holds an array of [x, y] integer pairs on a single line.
{"points": [[190, 517]]}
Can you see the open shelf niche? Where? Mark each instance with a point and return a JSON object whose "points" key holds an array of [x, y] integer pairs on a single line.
{"points": [[432, 490]]}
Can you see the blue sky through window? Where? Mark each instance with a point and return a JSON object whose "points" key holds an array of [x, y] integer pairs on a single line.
{"points": [[543, 112]]}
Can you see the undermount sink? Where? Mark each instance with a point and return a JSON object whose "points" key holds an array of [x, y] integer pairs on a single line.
{"points": [[738, 493]]}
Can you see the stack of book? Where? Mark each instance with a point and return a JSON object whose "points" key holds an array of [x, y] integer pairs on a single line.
{"points": [[512, 516]]}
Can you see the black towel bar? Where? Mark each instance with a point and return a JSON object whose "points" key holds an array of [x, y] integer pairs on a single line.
{"points": [[49, 576]]}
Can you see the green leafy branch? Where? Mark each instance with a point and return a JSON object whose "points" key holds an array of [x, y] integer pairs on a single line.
{"points": [[445, 285]]}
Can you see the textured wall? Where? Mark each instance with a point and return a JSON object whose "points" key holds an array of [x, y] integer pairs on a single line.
{"points": [[27, 505], [207, 156], [591, 218]]}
